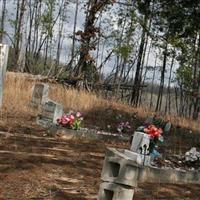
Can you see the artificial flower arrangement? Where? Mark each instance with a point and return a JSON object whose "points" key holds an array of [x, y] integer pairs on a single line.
{"points": [[123, 127], [155, 136], [71, 120]]}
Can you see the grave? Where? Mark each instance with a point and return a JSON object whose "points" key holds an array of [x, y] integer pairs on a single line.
{"points": [[3, 66], [50, 112], [114, 176], [40, 95]]}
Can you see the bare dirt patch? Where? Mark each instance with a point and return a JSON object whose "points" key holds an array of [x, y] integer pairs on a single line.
{"points": [[37, 167]]}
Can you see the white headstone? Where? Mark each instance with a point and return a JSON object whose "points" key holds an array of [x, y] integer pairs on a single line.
{"points": [[140, 143], [51, 111], [3, 66]]}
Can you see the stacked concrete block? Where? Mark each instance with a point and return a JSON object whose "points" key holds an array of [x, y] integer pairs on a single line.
{"points": [[3, 66], [119, 176], [119, 170], [112, 191], [51, 111], [40, 95]]}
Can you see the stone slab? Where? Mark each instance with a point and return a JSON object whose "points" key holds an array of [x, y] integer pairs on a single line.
{"points": [[112, 191]]}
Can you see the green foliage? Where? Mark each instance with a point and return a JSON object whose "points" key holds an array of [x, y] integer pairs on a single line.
{"points": [[184, 77], [123, 51], [77, 124], [47, 18]]}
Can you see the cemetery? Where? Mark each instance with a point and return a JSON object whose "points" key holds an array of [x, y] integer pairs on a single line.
{"points": [[54, 158]]}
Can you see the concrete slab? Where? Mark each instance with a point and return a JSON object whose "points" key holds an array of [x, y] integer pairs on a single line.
{"points": [[171, 176]]}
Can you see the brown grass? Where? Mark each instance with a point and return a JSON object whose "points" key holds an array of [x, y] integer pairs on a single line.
{"points": [[18, 90]]}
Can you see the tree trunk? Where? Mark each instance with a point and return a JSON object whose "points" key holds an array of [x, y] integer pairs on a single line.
{"points": [[74, 33], [168, 97], [162, 80], [136, 86]]}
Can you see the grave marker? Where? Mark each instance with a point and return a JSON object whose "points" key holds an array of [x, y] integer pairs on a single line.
{"points": [[3, 66], [40, 95], [121, 173], [51, 111]]}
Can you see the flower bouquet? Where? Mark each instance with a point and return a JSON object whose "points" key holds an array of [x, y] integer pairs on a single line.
{"points": [[72, 121], [155, 136]]}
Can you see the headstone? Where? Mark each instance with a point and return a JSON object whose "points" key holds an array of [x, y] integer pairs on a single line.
{"points": [[50, 112], [3, 66], [40, 95], [140, 143]]}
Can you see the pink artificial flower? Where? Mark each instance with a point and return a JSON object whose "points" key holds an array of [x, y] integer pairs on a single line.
{"points": [[78, 114], [66, 120], [72, 117]]}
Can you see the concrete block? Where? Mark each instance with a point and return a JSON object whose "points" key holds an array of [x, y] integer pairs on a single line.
{"points": [[140, 143], [138, 158], [3, 66], [40, 95], [51, 111], [120, 170], [112, 191]]}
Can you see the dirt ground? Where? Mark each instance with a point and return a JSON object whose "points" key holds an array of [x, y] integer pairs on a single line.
{"points": [[36, 166]]}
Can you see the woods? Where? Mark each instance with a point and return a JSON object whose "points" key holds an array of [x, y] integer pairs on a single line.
{"points": [[146, 51]]}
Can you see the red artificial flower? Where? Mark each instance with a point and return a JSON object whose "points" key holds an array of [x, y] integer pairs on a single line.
{"points": [[153, 131]]}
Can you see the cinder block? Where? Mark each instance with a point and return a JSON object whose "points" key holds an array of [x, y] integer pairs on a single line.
{"points": [[138, 158], [120, 170], [112, 191], [40, 95], [140, 143], [51, 111]]}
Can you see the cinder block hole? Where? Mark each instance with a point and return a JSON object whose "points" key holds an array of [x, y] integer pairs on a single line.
{"points": [[114, 169], [108, 194]]}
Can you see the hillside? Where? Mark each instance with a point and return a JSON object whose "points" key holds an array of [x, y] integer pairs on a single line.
{"points": [[37, 165]]}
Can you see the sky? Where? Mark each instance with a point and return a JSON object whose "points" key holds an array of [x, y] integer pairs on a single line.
{"points": [[67, 43]]}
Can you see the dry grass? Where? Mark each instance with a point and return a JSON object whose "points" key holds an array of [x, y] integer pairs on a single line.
{"points": [[18, 90]]}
